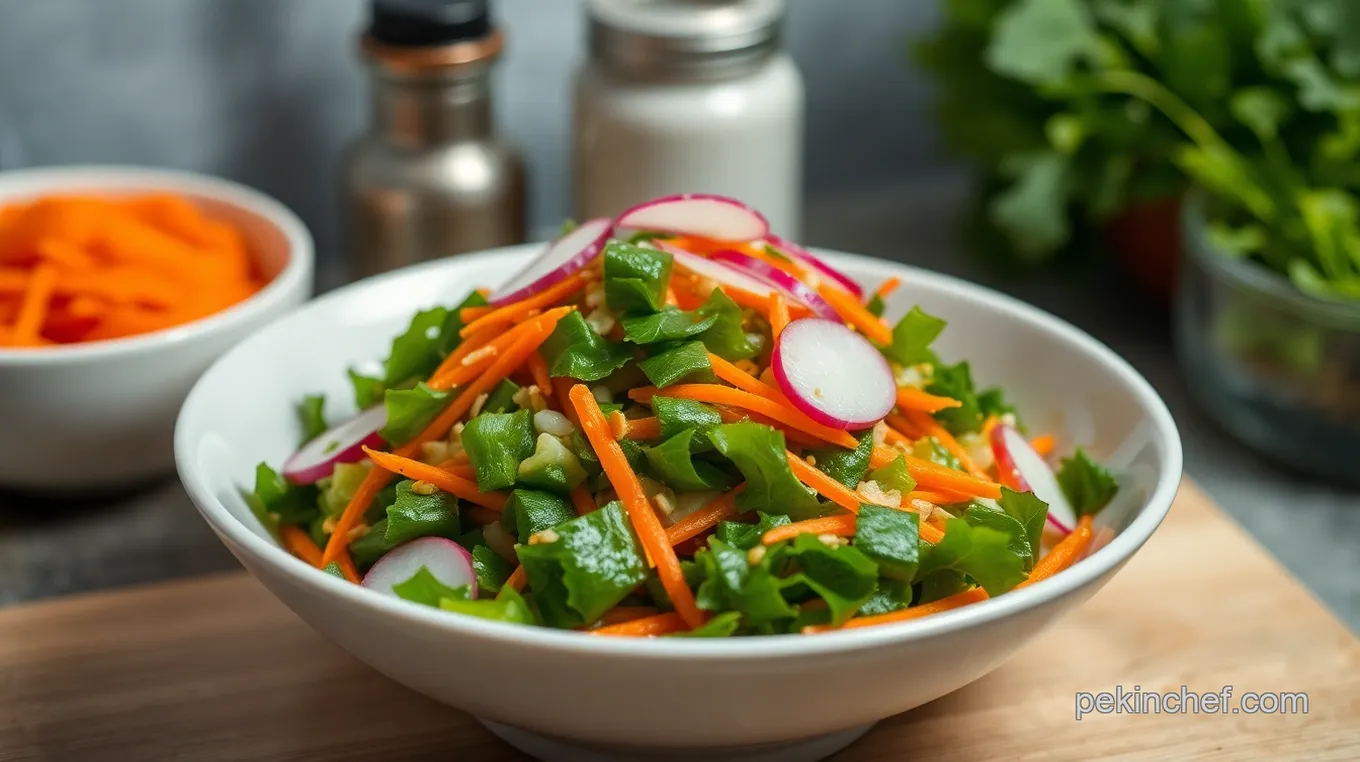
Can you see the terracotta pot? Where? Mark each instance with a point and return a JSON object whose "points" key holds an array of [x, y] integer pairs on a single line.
{"points": [[1146, 240]]}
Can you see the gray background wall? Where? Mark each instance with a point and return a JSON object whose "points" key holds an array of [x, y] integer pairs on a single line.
{"points": [[269, 92]]}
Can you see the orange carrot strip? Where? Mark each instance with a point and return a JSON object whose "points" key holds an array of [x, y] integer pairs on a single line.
{"points": [[512, 313], [938, 497], [722, 507], [717, 394], [561, 386], [347, 568], [538, 368], [300, 544], [779, 314], [933, 476], [661, 624], [424, 472], [640, 513], [840, 526], [33, 308], [1044, 444], [517, 579], [621, 614], [915, 612], [824, 485], [1064, 554], [902, 429], [582, 501], [854, 313], [888, 286], [463, 371], [932, 428], [909, 398], [465, 347], [644, 428]]}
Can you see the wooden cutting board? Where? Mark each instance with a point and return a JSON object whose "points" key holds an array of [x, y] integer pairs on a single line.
{"points": [[215, 669]]}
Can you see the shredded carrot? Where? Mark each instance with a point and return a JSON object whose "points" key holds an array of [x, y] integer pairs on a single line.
{"points": [[792, 436], [300, 544], [621, 614], [840, 526], [463, 469], [479, 515], [854, 313], [717, 394], [888, 286], [644, 428], [347, 568], [938, 497], [955, 601], [582, 501], [1064, 554], [1044, 444], [824, 485], [934, 476], [988, 425], [671, 299], [779, 314], [640, 513], [909, 398], [561, 387], [932, 428], [517, 579], [34, 307], [474, 363], [722, 507], [444, 480], [512, 313], [660, 624], [538, 368], [901, 429]]}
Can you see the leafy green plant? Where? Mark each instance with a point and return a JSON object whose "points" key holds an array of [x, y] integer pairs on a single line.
{"points": [[1076, 109]]}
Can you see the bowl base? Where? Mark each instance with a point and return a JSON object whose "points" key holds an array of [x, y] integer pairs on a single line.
{"points": [[550, 749]]}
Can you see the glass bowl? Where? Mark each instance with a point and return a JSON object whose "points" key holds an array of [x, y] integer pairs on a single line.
{"points": [[1278, 368]]}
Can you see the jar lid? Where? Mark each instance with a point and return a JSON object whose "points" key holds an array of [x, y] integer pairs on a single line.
{"points": [[684, 37], [431, 36]]}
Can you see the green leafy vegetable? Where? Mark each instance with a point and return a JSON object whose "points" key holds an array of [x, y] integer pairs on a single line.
{"points": [[678, 415], [453, 323], [721, 626], [731, 583], [846, 466], [424, 588], [956, 381], [894, 476], [415, 353], [673, 464], [414, 515], [508, 606], [368, 390], [575, 350], [687, 361], [340, 486], [552, 467], [492, 571], [875, 305], [1018, 542], [333, 569], [889, 595], [929, 448], [502, 398], [1086, 484], [409, 411], [635, 278], [277, 502], [670, 324], [941, 584], [912, 337], [594, 562], [726, 338], [311, 414], [496, 443], [372, 545], [746, 536], [529, 512], [982, 553], [890, 538], [758, 452], [837, 573], [1031, 512]]}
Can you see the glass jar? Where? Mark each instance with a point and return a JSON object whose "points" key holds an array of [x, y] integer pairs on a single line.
{"points": [[1278, 368]]}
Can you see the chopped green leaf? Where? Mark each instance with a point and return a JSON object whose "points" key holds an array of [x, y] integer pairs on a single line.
{"points": [[758, 452], [746, 536], [912, 337], [277, 502], [453, 324], [837, 573], [677, 415], [552, 467], [732, 583], [981, 516], [502, 398], [424, 588], [956, 381], [529, 512], [890, 538], [876, 306], [929, 448], [670, 324], [894, 476], [687, 361], [992, 402], [333, 569], [846, 466], [721, 626], [496, 443], [726, 338], [941, 584], [368, 390], [409, 411], [340, 486], [508, 607], [594, 562], [1086, 484], [673, 464], [415, 353], [635, 278], [889, 595], [1031, 512], [414, 515], [980, 552], [491, 569], [372, 545], [311, 414], [575, 350]]}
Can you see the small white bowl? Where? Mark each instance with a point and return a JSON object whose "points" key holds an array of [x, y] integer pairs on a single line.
{"points": [[102, 415], [549, 691]]}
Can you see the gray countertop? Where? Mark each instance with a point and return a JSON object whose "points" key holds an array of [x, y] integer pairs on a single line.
{"points": [[50, 547]]}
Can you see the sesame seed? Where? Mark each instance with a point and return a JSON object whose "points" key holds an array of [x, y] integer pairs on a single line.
{"points": [[544, 537], [811, 460], [358, 531], [424, 488], [755, 555], [830, 540]]}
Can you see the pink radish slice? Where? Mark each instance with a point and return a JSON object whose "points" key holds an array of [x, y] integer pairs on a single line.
{"points": [[1029, 472], [698, 214], [563, 257], [342, 444], [448, 561], [833, 374], [794, 251], [725, 275], [791, 286]]}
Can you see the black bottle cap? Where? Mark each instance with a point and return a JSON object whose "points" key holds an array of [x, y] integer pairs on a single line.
{"points": [[428, 23]]}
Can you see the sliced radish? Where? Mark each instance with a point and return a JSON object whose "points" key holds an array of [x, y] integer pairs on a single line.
{"points": [[342, 444], [794, 251], [725, 275], [697, 214], [792, 287], [448, 561], [833, 374], [563, 257], [1025, 470]]}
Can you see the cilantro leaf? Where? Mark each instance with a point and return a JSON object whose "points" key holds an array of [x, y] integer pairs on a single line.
{"points": [[1019, 542], [956, 381], [368, 390], [839, 574], [275, 501], [415, 353], [731, 583], [1086, 484], [726, 338]]}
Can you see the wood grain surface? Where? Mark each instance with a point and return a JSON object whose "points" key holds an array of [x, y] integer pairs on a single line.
{"points": [[215, 669]]}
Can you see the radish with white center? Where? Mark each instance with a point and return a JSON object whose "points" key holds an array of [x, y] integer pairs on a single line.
{"points": [[792, 287], [833, 374], [725, 275], [563, 257], [698, 214], [341, 444], [1025, 470], [445, 559], [796, 252]]}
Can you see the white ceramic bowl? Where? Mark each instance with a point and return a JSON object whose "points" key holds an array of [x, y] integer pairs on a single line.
{"points": [[102, 415], [681, 693]]}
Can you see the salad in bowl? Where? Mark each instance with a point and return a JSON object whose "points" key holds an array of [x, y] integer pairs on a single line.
{"points": [[676, 423]]}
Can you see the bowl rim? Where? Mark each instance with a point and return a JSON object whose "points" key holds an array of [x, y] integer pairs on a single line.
{"points": [[1104, 560], [296, 272]]}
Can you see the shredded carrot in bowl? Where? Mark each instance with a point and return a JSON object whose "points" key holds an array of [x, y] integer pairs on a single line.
{"points": [[77, 268]]}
